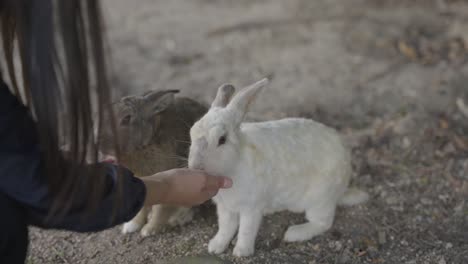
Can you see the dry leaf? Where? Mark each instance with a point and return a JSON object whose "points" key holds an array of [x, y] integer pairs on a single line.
{"points": [[443, 123], [462, 107], [407, 50], [460, 142]]}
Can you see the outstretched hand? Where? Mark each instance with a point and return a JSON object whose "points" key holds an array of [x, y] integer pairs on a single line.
{"points": [[183, 187]]}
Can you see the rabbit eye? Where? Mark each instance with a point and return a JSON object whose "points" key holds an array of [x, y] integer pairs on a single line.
{"points": [[126, 120], [222, 140]]}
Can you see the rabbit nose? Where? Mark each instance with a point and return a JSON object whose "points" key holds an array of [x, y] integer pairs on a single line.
{"points": [[196, 154], [196, 165]]}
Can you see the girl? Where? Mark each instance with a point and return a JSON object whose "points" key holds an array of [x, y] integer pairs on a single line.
{"points": [[62, 86]]}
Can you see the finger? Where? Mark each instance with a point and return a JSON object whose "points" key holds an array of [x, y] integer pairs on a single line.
{"points": [[221, 182], [213, 183], [210, 194], [226, 183]]}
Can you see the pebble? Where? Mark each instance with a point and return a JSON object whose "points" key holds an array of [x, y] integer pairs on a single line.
{"points": [[316, 247], [198, 260], [372, 251], [444, 197], [426, 201], [345, 258], [442, 261], [338, 246], [406, 142], [382, 237], [391, 200]]}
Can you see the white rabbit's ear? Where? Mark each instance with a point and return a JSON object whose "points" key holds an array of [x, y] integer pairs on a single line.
{"points": [[158, 101], [245, 97], [223, 96]]}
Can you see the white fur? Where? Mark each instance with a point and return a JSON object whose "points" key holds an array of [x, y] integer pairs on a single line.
{"points": [[291, 164], [462, 107], [151, 219], [130, 227]]}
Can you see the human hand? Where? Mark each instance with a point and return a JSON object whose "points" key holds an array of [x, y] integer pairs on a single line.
{"points": [[183, 187]]}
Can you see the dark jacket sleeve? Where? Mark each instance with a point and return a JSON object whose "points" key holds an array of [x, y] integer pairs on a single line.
{"points": [[22, 178]]}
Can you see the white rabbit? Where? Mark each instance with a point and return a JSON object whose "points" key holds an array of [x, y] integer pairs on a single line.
{"points": [[290, 164]]}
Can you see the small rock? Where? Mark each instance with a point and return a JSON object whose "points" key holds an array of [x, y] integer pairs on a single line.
{"points": [[406, 143], [372, 251], [345, 258], [198, 260], [399, 208], [449, 246], [383, 194], [442, 261], [382, 237], [426, 201], [169, 44], [391, 200], [316, 247], [459, 208], [444, 197], [338, 245]]}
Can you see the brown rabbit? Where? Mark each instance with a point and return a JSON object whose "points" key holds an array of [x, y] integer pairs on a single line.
{"points": [[154, 136]]}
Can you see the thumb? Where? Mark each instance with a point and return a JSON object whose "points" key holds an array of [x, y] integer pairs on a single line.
{"points": [[217, 182], [226, 182]]}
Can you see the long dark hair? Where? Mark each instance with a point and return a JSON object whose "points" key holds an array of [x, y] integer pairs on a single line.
{"points": [[64, 82]]}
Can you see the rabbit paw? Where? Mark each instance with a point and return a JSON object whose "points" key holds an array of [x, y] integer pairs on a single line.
{"points": [[181, 218], [303, 232], [217, 245], [243, 251], [130, 227], [148, 230]]}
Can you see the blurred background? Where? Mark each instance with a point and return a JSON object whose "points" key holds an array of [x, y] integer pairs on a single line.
{"points": [[387, 73], [344, 57]]}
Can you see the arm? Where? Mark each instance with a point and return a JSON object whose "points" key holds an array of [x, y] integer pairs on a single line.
{"points": [[22, 179]]}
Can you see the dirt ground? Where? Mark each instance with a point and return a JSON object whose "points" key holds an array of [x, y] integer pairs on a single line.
{"points": [[385, 73]]}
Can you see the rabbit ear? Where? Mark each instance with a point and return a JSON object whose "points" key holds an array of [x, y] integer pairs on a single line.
{"points": [[157, 101], [241, 101], [223, 96], [127, 99]]}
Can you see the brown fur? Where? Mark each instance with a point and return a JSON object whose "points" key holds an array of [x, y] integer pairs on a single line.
{"points": [[169, 146], [156, 139]]}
